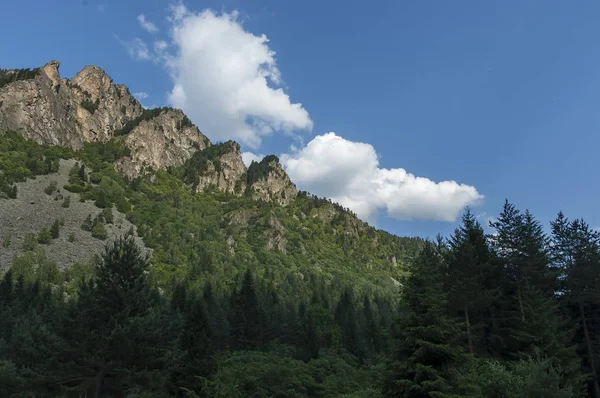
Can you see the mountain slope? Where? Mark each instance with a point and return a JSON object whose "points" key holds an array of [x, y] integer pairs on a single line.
{"points": [[205, 215]]}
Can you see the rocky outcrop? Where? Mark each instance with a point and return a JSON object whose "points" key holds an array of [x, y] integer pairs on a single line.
{"points": [[102, 106], [55, 111], [41, 109], [275, 235], [167, 139], [221, 168], [90, 107], [269, 182]]}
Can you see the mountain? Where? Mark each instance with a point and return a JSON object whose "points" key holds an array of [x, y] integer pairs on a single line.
{"points": [[243, 272], [180, 193]]}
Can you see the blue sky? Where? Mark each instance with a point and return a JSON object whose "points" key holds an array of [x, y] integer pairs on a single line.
{"points": [[503, 97]]}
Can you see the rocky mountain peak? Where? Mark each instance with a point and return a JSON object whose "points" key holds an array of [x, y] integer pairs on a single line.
{"points": [[51, 70], [90, 107], [219, 167], [93, 80], [269, 182], [161, 138]]}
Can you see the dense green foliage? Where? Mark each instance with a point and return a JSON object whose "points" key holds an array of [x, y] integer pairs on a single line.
{"points": [[20, 160], [339, 309], [8, 76]]}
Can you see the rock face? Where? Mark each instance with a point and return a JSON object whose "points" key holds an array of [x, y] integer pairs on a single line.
{"points": [[90, 107], [272, 182], [102, 107], [223, 170], [162, 141], [55, 111]]}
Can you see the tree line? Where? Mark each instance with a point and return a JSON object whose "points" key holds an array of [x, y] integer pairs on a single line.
{"points": [[513, 313]]}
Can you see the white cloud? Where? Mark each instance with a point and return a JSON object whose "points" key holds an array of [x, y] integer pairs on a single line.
{"points": [[348, 172], [137, 49], [141, 95], [148, 26], [248, 157], [224, 78]]}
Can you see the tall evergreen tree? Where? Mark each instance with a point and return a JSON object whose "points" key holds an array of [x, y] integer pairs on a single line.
{"points": [[576, 253], [246, 319], [117, 328], [473, 285], [425, 350], [532, 320]]}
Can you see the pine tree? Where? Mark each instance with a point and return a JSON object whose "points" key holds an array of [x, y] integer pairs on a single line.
{"points": [[196, 342], [576, 253], [474, 285], [532, 317], [246, 317], [425, 351], [81, 173], [117, 328]]}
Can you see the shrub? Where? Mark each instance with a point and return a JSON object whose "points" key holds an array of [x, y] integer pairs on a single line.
{"points": [[108, 215], [87, 223], [90, 106], [29, 242], [99, 231], [66, 202], [72, 237], [44, 236], [75, 188], [50, 188], [12, 192]]}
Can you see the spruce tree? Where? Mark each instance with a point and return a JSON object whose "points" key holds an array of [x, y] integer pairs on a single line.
{"points": [[576, 253], [246, 316], [474, 285], [532, 319], [117, 328], [425, 350]]}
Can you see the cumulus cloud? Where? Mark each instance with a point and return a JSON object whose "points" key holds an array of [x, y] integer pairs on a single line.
{"points": [[225, 78], [348, 172], [148, 26], [141, 95]]}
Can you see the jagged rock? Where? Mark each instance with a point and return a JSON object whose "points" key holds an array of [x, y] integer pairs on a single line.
{"points": [[223, 170], [90, 107], [162, 141], [55, 111], [271, 182], [41, 109], [275, 236], [109, 107]]}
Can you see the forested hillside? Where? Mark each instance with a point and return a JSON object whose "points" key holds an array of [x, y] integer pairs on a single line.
{"points": [[247, 298]]}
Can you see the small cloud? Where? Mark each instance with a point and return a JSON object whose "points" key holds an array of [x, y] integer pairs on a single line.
{"points": [[100, 8], [249, 157], [149, 106], [148, 26], [137, 49], [141, 95]]}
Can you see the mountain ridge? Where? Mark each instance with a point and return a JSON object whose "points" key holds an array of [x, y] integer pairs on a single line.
{"points": [[90, 107]]}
